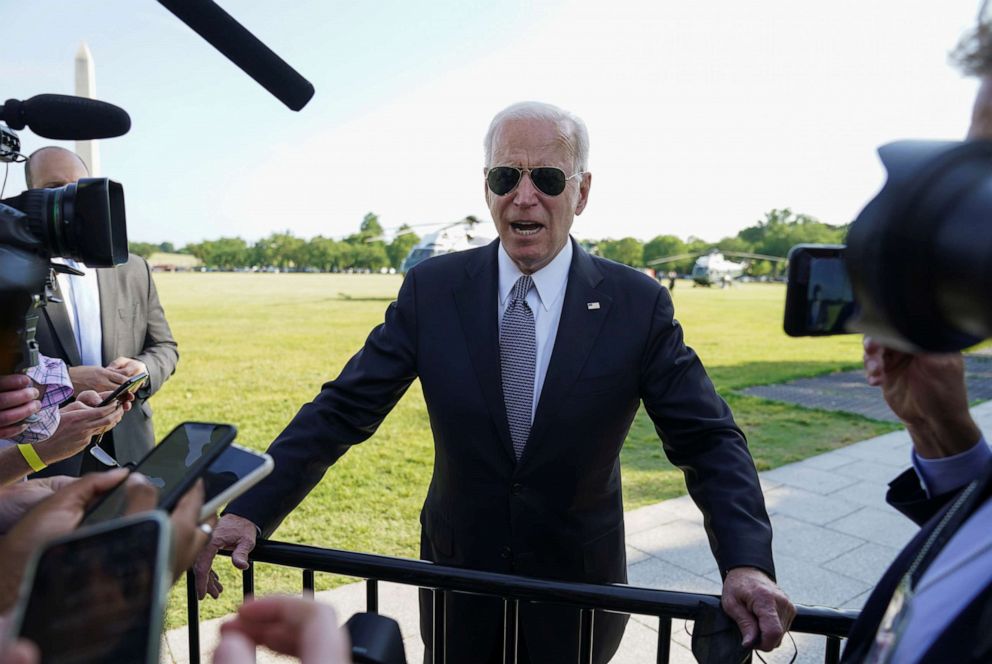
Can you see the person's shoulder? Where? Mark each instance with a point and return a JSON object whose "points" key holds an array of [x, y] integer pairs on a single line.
{"points": [[625, 276]]}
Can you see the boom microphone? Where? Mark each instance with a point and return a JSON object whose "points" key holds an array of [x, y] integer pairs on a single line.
{"points": [[244, 49], [64, 117]]}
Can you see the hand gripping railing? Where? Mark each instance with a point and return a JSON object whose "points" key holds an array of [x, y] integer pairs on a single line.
{"points": [[663, 604]]}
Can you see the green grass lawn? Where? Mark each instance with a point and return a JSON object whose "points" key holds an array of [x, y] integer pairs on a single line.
{"points": [[254, 347]]}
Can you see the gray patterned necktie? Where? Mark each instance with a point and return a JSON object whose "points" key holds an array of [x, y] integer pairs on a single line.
{"points": [[518, 358]]}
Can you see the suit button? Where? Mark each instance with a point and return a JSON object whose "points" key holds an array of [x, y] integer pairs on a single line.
{"points": [[506, 553], [517, 489]]}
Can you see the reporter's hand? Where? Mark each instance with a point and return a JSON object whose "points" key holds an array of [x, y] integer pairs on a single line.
{"points": [[288, 625], [21, 651], [927, 392], [759, 607], [18, 399], [232, 533], [55, 516], [79, 422], [96, 379], [128, 366], [20, 497]]}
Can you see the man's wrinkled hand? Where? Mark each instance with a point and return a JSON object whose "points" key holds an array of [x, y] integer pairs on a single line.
{"points": [[233, 533], [759, 607], [927, 392]]}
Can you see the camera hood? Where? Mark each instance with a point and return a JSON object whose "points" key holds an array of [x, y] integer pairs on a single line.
{"points": [[920, 253]]}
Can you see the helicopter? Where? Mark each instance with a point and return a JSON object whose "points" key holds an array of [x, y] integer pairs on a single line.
{"points": [[712, 267], [453, 237]]}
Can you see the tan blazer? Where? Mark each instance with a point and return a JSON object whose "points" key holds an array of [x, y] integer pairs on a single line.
{"points": [[133, 325]]}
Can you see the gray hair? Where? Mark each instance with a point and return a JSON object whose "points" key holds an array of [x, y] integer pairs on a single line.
{"points": [[27, 162], [570, 123]]}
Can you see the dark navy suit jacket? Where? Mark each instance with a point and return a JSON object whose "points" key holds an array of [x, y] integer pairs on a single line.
{"points": [[558, 512], [968, 638]]}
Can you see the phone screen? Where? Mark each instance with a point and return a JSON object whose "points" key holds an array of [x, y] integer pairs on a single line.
{"points": [[230, 467], [172, 466], [819, 299], [132, 385], [98, 598]]}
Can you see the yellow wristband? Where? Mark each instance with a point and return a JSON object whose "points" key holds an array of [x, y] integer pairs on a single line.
{"points": [[31, 456]]}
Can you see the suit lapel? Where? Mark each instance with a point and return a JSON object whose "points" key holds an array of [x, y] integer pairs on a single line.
{"points": [[58, 319], [476, 299], [578, 329], [108, 313]]}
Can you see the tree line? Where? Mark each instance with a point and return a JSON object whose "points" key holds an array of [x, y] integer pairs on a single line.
{"points": [[364, 250], [774, 235]]}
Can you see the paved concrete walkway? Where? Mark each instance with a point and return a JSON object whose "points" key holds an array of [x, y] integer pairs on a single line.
{"points": [[834, 536]]}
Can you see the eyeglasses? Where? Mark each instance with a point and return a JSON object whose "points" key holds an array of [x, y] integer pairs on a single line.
{"points": [[548, 180]]}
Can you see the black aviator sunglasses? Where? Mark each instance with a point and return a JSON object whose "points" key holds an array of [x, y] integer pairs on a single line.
{"points": [[548, 180]]}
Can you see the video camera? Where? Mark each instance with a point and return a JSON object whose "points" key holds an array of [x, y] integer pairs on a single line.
{"points": [[83, 221], [916, 273]]}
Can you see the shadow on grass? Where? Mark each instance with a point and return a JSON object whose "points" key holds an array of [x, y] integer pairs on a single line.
{"points": [[749, 374], [365, 298]]}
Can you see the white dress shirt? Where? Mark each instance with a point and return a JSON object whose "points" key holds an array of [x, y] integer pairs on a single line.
{"points": [[82, 302], [545, 300]]}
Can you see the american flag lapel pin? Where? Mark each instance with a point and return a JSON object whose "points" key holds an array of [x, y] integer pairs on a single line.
{"points": [[592, 305]]}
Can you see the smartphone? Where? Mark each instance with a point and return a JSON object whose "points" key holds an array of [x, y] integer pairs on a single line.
{"points": [[819, 300], [131, 385], [172, 466], [98, 594], [235, 471]]}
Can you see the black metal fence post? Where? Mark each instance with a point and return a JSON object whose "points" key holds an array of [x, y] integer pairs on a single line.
{"points": [[248, 581], [664, 640], [372, 595], [308, 583], [510, 626], [832, 654], [587, 620], [438, 635], [193, 616]]}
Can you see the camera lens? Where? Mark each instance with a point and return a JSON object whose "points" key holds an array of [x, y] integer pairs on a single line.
{"points": [[84, 221]]}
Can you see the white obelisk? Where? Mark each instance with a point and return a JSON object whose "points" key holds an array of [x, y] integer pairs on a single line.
{"points": [[86, 87]]}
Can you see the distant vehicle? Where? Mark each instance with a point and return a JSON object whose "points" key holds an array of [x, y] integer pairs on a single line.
{"points": [[458, 236], [712, 267]]}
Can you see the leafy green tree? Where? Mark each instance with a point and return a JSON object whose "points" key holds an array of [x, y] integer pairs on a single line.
{"points": [[280, 249], [143, 249], [662, 246], [781, 229], [628, 251], [370, 226], [167, 247], [401, 245]]}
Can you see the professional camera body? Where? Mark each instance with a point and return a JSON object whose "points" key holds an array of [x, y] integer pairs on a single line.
{"points": [[83, 221], [916, 273]]}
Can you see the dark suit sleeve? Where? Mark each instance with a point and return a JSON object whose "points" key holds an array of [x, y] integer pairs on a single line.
{"points": [[347, 411], [699, 436], [160, 353], [906, 494]]}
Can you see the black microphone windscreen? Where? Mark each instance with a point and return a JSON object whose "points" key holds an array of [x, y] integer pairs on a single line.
{"points": [[244, 49], [64, 117]]}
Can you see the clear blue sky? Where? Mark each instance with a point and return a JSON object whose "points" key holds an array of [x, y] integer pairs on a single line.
{"points": [[702, 115]]}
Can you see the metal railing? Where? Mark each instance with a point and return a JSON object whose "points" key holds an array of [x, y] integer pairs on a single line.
{"points": [[665, 605]]}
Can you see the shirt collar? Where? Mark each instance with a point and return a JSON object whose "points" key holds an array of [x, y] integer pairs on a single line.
{"points": [[549, 281]]}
